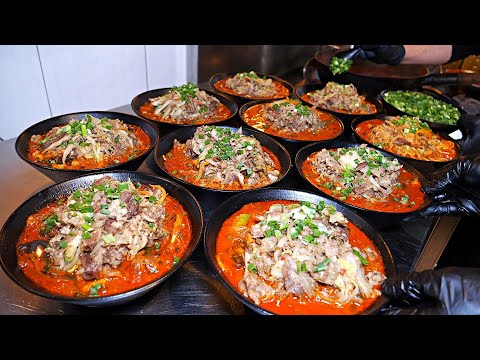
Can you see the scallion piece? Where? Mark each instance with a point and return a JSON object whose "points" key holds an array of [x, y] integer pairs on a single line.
{"points": [[87, 227], [362, 259], [242, 220], [303, 267], [109, 238], [94, 289], [308, 238], [321, 266], [122, 186], [252, 268], [152, 199]]}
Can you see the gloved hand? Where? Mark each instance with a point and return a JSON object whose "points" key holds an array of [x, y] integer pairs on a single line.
{"points": [[448, 291], [455, 189], [383, 54], [470, 126]]}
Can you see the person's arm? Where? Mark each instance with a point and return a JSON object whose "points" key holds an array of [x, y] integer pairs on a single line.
{"points": [[416, 54], [427, 54]]}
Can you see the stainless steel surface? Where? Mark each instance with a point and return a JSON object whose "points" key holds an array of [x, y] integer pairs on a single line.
{"points": [[436, 242], [194, 289], [265, 59]]}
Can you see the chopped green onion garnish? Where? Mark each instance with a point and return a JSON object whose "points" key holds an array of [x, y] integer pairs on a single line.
{"points": [[339, 65], [109, 238], [122, 186], [303, 267], [242, 220], [321, 266], [252, 268], [94, 289], [362, 259]]}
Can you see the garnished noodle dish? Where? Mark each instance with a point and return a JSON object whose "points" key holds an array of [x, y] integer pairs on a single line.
{"points": [[185, 104], [219, 158], [364, 177], [88, 143], [106, 239], [250, 85], [290, 119], [340, 98], [407, 136], [299, 258]]}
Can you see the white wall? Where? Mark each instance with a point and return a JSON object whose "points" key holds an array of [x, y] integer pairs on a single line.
{"points": [[23, 99], [37, 82]]}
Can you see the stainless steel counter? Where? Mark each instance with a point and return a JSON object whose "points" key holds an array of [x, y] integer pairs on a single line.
{"points": [[194, 289]]}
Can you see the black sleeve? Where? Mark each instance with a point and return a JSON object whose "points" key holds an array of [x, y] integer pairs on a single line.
{"points": [[463, 51]]}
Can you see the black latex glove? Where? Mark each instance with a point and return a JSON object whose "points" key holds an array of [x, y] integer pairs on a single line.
{"points": [[470, 127], [383, 54], [448, 291], [455, 189]]}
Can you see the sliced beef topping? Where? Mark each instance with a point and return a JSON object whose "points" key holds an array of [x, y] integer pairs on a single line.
{"points": [[186, 103], [99, 227], [304, 250], [249, 84], [128, 199], [224, 157], [339, 97], [291, 115], [360, 171]]}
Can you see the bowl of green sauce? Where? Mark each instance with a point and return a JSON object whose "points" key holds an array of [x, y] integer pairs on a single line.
{"points": [[436, 111]]}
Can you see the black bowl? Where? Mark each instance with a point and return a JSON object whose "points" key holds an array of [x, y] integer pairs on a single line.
{"points": [[21, 144], [228, 207], [184, 134], [243, 99], [165, 127], [15, 224], [309, 149], [446, 128], [346, 117], [357, 121], [292, 145]]}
